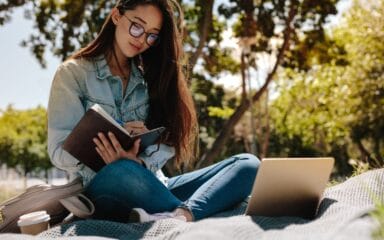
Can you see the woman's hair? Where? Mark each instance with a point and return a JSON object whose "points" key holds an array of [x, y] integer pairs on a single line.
{"points": [[170, 101]]}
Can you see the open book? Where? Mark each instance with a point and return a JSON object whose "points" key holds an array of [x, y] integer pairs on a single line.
{"points": [[80, 145]]}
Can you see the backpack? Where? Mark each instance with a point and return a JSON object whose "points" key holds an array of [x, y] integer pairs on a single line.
{"points": [[61, 202]]}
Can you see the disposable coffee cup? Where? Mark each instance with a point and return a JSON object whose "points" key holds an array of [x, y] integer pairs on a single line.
{"points": [[34, 223]]}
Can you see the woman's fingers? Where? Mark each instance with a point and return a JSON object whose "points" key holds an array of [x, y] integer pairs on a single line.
{"points": [[101, 150], [115, 143], [106, 147], [105, 142], [102, 155], [133, 151], [135, 127], [135, 124], [136, 146], [110, 148]]}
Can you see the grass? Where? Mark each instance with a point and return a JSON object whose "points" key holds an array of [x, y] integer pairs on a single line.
{"points": [[378, 214], [358, 168]]}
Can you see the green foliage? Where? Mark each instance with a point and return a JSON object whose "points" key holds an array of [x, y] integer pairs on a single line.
{"points": [[313, 107], [378, 214], [366, 73], [224, 113], [359, 167], [217, 61], [207, 94], [60, 26], [23, 139], [264, 21], [63, 26], [337, 108], [315, 48], [7, 8]]}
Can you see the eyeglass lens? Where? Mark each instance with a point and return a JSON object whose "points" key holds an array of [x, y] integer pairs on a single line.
{"points": [[136, 30]]}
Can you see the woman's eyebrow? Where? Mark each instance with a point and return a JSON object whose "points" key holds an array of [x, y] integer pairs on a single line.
{"points": [[144, 22], [140, 19]]}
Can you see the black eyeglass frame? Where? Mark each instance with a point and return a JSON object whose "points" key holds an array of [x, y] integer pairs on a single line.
{"points": [[143, 32]]}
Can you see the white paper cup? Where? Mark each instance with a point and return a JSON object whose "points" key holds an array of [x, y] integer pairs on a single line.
{"points": [[34, 223]]}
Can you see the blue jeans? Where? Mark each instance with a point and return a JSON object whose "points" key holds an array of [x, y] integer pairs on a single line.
{"points": [[124, 184]]}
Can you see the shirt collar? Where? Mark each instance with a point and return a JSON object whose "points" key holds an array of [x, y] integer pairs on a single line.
{"points": [[103, 72]]}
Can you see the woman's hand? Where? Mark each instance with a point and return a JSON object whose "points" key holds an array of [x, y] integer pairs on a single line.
{"points": [[111, 150], [135, 127]]}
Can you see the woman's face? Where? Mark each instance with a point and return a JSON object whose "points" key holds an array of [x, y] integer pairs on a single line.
{"points": [[145, 20]]}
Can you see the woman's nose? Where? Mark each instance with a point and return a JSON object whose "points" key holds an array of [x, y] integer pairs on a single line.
{"points": [[142, 39]]}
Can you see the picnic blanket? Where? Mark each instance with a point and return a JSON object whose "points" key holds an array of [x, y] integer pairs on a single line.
{"points": [[344, 213]]}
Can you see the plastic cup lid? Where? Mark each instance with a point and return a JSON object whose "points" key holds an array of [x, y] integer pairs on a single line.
{"points": [[33, 218]]}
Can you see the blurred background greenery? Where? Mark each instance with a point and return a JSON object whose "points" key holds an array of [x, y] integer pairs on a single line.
{"points": [[305, 87]]}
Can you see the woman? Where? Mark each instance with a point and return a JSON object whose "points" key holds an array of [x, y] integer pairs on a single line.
{"points": [[132, 69]]}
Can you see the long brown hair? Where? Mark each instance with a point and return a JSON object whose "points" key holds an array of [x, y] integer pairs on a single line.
{"points": [[170, 101]]}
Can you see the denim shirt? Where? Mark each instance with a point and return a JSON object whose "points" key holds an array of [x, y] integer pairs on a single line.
{"points": [[77, 85]]}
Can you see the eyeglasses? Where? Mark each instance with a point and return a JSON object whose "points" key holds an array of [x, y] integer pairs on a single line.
{"points": [[136, 31]]}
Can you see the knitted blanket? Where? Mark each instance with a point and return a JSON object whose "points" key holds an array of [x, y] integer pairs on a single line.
{"points": [[344, 213]]}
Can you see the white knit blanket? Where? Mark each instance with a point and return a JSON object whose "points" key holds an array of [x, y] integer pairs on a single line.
{"points": [[344, 213]]}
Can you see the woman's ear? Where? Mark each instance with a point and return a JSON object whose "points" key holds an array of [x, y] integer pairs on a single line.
{"points": [[115, 15]]}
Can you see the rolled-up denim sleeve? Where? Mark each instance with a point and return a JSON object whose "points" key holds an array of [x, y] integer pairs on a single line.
{"points": [[64, 111], [155, 156]]}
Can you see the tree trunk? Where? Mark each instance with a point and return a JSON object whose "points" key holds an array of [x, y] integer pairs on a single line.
{"points": [[25, 180], [243, 84], [265, 144], [205, 24], [376, 150], [46, 176], [210, 155]]}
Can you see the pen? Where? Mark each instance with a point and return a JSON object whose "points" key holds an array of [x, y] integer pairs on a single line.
{"points": [[120, 122]]}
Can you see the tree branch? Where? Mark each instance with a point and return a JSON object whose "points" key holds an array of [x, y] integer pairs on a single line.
{"points": [[204, 29], [225, 133]]}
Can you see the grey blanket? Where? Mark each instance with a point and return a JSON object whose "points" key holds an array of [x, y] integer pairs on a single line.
{"points": [[344, 213]]}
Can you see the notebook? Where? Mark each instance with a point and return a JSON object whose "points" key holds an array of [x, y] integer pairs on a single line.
{"points": [[289, 186]]}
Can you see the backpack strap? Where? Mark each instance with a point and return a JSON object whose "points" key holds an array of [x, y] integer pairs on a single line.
{"points": [[79, 205]]}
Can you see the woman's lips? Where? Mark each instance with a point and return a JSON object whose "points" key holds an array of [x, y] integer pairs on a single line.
{"points": [[135, 47]]}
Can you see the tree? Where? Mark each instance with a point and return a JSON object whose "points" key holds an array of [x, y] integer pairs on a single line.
{"points": [[266, 22], [335, 105], [310, 114], [365, 77], [273, 26], [64, 26], [23, 140]]}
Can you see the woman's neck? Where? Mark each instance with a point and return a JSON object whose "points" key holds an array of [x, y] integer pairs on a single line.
{"points": [[118, 63]]}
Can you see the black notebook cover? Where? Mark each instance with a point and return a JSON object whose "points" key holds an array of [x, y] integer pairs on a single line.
{"points": [[80, 145]]}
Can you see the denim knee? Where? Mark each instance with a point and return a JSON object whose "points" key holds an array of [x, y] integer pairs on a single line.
{"points": [[121, 168], [117, 175], [249, 163]]}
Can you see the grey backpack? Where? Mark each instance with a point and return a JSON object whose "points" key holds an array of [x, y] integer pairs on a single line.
{"points": [[59, 201]]}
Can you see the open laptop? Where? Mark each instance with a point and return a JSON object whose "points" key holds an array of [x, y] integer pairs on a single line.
{"points": [[289, 186]]}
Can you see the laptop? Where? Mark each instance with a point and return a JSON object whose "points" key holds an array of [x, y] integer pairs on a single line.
{"points": [[289, 186]]}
